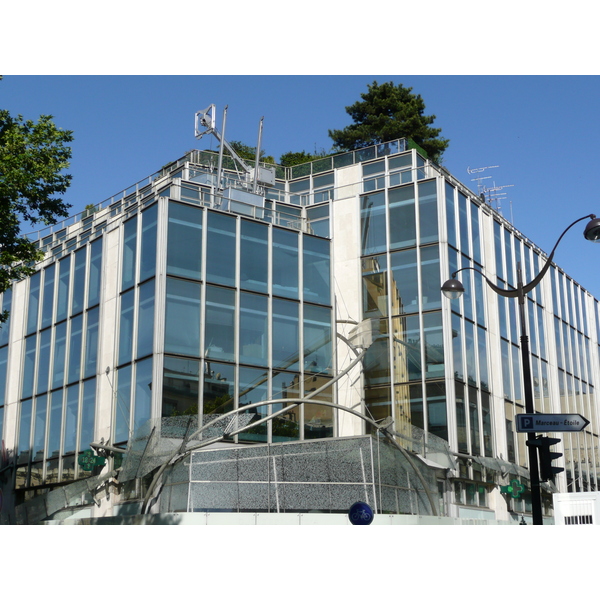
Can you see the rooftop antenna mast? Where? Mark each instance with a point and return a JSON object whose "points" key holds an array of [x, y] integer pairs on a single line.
{"points": [[479, 179]]}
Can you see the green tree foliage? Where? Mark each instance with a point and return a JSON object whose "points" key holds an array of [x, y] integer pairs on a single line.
{"points": [[248, 153], [33, 157], [389, 112], [290, 159]]}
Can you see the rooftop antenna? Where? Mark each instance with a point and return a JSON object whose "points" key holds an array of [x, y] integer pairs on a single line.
{"points": [[479, 179], [205, 123]]}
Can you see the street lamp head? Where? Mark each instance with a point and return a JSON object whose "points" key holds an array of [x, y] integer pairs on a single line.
{"points": [[453, 289], [592, 230]]}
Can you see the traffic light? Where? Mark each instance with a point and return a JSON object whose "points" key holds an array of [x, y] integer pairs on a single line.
{"points": [[547, 470]]}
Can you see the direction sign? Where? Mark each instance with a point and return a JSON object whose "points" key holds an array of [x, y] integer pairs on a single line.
{"points": [[550, 422]]}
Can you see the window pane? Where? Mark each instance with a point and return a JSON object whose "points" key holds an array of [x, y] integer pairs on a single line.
{"points": [[39, 428], [181, 381], [145, 333], [450, 216], [461, 418], [434, 346], [143, 393], [376, 362], [182, 328], [285, 263], [285, 332], [34, 301], [254, 387], [428, 217], [254, 337], [129, 253], [54, 428], [60, 347], [5, 327], [372, 213], [375, 288], [403, 229], [48, 298], [88, 413], [63, 288], [91, 343], [78, 281], [436, 410], [287, 426], [95, 272], [220, 250], [316, 270], [71, 416], [126, 327], [29, 366], [430, 278], [254, 257], [317, 339], [218, 388], [220, 323], [184, 246], [44, 361], [24, 431], [75, 349], [123, 407], [405, 289], [3, 367], [407, 348], [148, 247]]}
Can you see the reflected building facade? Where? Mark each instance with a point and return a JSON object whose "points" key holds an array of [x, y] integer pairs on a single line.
{"points": [[176, 299]]}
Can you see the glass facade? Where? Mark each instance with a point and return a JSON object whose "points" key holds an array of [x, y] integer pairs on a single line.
{"points": [[170, 303]]}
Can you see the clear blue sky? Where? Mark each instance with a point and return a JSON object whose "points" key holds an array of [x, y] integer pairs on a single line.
{"points": [[543, 132]]}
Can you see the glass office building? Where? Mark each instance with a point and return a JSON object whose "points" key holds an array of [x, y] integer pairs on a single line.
{"points": [[179, 297]]}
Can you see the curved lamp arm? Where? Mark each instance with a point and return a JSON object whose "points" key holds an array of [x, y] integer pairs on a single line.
{"points": [[521, 289]]}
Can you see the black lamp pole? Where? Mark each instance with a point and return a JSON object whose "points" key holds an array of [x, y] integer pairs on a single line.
{"points": [[454, 288]]}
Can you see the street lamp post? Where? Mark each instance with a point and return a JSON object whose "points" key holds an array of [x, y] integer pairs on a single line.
{"points": [[453, 288]]}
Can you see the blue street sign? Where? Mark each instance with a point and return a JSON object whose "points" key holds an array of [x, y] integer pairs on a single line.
{"points": [[360, 513], [527, 423]]}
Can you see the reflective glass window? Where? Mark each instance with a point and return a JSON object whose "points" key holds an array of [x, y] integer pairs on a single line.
{"points": [[219, 388], [6, 303], [461, 418], [34, 302], [457, 347], [184, 246], [486, 418], [129, 253], [3, 367], [71, 417], [44, 361], [437, 422], [317, 339], [254, 388], [254, 256], [408, 407], [434, 346], [59, 362], [470, 353], [145, 329], [378, 402], [287, 426], [24, 431], [88, 414], [373, 229], [182, 327], [428, 214], [403, 228], [483, 366], [474, 421], [78, 281], [450, 216], [123, 404], [254, 329], [318, 419], [219, 336], [55, 423], [498, 250], [376, 361], [475, 233], [148, 246], [75, 349], [430, 278], [509, 262], [91, 343], [39, 428], [95, 272], [220, 249], [126, 326], [285, 263], [375, 288], [463, 219], [64, 278], [316, 265], [285, 333], [181, 382], [405, 289], [29, 366], [143, 392], [407, 348], [48, 296]]}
